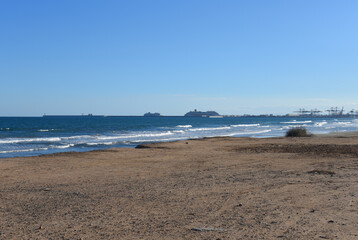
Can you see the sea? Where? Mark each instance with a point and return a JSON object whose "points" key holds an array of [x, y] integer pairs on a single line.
{"points": [[33, 136]]}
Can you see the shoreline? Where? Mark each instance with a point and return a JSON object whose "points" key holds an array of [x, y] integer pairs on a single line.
{"points": [[346, 134], [222, 187]]}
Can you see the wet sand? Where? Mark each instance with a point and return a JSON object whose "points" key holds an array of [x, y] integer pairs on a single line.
{"points": [[213, 188]]}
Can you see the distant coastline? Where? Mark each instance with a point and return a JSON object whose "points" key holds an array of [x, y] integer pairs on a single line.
{"points": [[88, 115], [223, 116], [301, 113]]}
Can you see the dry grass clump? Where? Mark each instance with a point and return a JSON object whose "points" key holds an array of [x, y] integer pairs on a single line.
{"points": [[298, 132]]}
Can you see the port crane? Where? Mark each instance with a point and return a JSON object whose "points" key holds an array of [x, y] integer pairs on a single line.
{"points": [[312, 112], [302, 111], [335, 111], [315, 111]]}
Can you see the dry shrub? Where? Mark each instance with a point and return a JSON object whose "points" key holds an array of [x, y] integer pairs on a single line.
{"points": [[297, 132]]}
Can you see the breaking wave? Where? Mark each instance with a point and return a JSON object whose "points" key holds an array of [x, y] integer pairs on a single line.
{"points": [[100, 143], [184, 126], [24, 150], [62, 146], [23, 140], [49, 139], [246, 125], [320, 124], [297, 122], [208, 129]]}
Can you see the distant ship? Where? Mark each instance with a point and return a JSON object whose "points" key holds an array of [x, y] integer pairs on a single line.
{"points": [[149, 114], [196, 113]]}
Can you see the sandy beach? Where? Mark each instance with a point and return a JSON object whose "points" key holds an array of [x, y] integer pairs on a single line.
{"points": [[212, 188]]}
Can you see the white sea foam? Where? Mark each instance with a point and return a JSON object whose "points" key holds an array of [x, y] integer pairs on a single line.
{"points": [[246, 125], [101, 143], [20, 140], [320, 124], [92, 144], [297, 126], [77, 137], [178, 131], [343, 123], [46, 130], [135, 135], [297, 122], [184, 126], [24, 150], [62, 146], [209, 129]]}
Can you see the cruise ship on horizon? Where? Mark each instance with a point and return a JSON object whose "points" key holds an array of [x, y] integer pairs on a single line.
{"points": [[209, 114]]}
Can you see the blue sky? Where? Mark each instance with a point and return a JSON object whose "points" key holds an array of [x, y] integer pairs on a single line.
{"points": [[131, 57]]}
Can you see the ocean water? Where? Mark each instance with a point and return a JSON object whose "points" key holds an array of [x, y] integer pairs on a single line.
{"points": [[32, 136]]}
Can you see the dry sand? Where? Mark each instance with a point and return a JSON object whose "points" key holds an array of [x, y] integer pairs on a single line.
{"points": [[215, 188]]}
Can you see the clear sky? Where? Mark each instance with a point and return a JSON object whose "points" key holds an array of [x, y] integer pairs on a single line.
{"points": [[130, 57]]}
